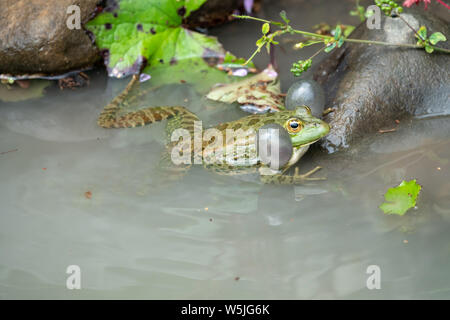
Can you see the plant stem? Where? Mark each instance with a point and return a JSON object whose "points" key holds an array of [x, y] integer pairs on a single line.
{"points": [[253, 55], [257, 19], [287, 28], [405, 45], [319, 51], [414, 30], [444, 4]]}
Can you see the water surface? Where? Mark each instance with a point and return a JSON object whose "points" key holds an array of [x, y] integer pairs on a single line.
{"points": [[72, 193]]}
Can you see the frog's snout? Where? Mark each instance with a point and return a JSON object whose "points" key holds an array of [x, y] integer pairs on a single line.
{"points": [[317, 129], [323, 127]]}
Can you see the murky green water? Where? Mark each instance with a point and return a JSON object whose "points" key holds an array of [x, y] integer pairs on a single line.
{"points": [[210, 236]]}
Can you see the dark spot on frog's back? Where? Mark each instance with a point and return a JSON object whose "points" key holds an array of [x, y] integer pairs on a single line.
{"points": [[182, 11], [237, 126], [221, 126]]}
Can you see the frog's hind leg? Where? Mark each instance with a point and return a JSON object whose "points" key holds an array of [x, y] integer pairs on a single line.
{"points": [[296, 178], [184, 121], [179, 117], [110, 118]]}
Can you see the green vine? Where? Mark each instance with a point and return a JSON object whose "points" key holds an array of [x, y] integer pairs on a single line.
{"points": [[330, 42]]}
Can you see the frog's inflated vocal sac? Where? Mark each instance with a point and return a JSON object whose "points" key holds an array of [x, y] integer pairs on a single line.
{"points": [[303, 129]]}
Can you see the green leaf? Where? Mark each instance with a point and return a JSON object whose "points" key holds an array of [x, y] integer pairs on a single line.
{"points": [[284, 17], [422, 32], [369, 13], [265, 28], [348, 30], [337, 32], [428, 48], [340, 42], [137, 34], [401, 198], [437, 37], [260, 42], [330, 47]]}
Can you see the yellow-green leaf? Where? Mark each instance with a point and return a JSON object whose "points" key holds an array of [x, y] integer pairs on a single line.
{"points": [[265, 28], [437, 37], [422, 32], [401, 198]]}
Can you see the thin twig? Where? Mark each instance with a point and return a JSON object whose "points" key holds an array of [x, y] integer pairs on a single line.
{"points": [[386, 131], [414, 30], [5, 152]]}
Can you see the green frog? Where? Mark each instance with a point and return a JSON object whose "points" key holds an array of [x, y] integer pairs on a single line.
{"points": [[303, 130]]}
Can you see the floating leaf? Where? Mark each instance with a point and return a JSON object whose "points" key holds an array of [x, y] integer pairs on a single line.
{"points": [[401, 198], [261, 90], [437, 37]]}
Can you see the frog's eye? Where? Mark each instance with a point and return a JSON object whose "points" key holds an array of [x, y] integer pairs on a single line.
{"points": [[294, 126]]}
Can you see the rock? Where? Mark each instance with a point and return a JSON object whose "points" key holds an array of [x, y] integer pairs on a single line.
{"points": [[216, 12], [35, 40], [369, 87]]}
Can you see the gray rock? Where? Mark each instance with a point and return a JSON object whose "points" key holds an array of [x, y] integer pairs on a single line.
{"points": [[35, 40], [371, 86]]}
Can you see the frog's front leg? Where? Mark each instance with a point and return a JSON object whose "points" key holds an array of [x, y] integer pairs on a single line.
{"points": [[281, 178]]}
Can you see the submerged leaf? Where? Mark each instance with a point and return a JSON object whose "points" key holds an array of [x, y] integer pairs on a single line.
{"points": [[261, 90], [14, 93], [401, 198]]}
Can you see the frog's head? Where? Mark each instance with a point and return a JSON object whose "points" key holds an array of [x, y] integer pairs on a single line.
{"points": [[304, 128]]}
